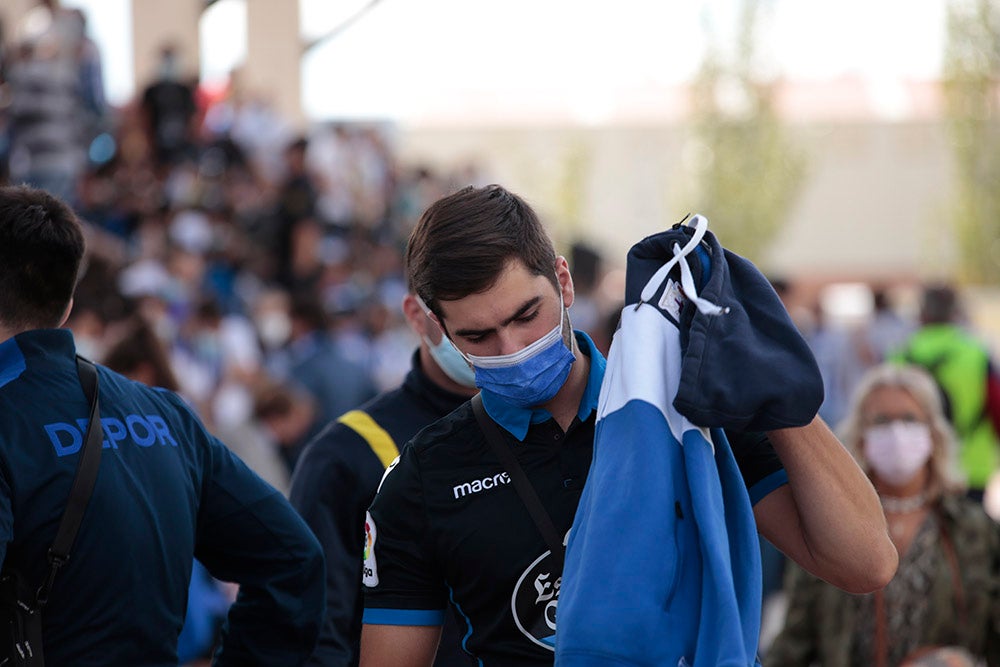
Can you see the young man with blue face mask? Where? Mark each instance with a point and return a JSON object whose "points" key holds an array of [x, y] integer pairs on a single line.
{"points": [[447, 527], [336, 478]]}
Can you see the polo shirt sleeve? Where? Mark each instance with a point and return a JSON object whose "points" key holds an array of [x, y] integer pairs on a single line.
{"points": [[402, 583], [758, 463]]}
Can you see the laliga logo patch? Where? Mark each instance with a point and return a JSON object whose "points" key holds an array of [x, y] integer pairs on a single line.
{"points": [[370, 570], [534, 602]]}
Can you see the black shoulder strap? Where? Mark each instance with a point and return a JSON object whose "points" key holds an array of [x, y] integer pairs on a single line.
{"points": [[520, 480], [83, 482]]}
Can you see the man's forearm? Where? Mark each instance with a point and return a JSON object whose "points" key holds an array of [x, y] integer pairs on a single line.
{"points": [[843, 532]]}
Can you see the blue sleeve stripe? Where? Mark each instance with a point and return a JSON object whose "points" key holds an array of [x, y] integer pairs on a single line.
{"points": [[767, 485], [376, 616], [468, 623]]}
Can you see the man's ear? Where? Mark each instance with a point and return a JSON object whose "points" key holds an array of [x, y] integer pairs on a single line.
{"points": [[565, 279], [414, 314], [65, 315]]}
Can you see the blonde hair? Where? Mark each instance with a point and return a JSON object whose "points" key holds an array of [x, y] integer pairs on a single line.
{"points": [[946, 476]]}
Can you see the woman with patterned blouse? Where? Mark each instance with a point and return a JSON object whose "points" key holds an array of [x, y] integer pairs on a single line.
{"points": [[944, 602]]}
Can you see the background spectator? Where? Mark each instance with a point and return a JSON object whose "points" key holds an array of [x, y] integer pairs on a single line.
{"points": [[962, 367], [945, 590]]}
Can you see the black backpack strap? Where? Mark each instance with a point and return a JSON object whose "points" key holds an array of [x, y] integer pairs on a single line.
{"points": [[83, 483], [520, 481]]}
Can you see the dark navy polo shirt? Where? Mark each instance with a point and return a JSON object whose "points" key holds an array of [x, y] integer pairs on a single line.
{"points": [[447, 526]]}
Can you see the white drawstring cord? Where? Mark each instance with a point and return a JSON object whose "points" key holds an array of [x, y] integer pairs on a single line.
{"points": [[700, 224], [706, 307]]}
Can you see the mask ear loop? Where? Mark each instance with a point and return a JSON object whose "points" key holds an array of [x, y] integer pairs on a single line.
{"points": [[423, 306], [427, 312], [700, 224]]}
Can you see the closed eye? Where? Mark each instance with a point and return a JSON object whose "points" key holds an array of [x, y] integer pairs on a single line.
{"points": [[528, 316], [526, 313]]}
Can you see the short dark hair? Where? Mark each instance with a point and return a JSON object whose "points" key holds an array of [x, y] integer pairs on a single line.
{"points": [[939, 304], [463, 242], [41, 247], [307, 308], [139, 345]]}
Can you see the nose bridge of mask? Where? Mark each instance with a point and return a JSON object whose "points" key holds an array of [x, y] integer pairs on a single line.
{"points": [[514, 358], [899, 427], [915, 432]]}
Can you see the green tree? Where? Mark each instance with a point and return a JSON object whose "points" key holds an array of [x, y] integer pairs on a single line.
{"points": [[746, 168], [971, 66]]}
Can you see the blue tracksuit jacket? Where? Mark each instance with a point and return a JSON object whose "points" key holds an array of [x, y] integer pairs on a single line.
{"points": [[663, 561], [166, 492]]}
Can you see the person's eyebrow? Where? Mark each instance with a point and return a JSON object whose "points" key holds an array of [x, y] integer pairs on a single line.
{"points": [[525, 307]]}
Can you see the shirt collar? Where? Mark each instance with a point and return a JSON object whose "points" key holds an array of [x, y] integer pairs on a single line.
{"points": [[33, 345], [11, 361], [437, 397], [517, 420]]}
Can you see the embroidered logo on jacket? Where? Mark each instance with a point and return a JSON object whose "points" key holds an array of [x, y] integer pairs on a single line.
{"points": [[478, 485], [140, 430], [534, 601]]}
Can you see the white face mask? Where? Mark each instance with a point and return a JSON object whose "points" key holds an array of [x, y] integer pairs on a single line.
{"points": [[898, 450], [274, 328]]}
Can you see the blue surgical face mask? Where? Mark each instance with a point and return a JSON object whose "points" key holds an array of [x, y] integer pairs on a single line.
{"points": [[531, 376], [451, 362]]}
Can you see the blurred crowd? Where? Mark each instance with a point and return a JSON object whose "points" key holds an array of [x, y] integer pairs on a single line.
{"points": [[253, 268], [258, 269], [267, 263]]}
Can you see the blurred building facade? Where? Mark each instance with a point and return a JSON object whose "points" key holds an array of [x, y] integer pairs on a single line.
{"points": [[877, 182]]}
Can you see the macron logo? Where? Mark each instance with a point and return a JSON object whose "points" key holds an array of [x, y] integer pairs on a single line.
{"points": [[477, 485]]}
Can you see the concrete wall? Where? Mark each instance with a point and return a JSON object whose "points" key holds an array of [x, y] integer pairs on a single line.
{"points": [[872, 208], [866, 210]]}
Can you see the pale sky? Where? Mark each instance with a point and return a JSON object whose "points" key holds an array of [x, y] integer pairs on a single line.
{"points": [[406, 59]]}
